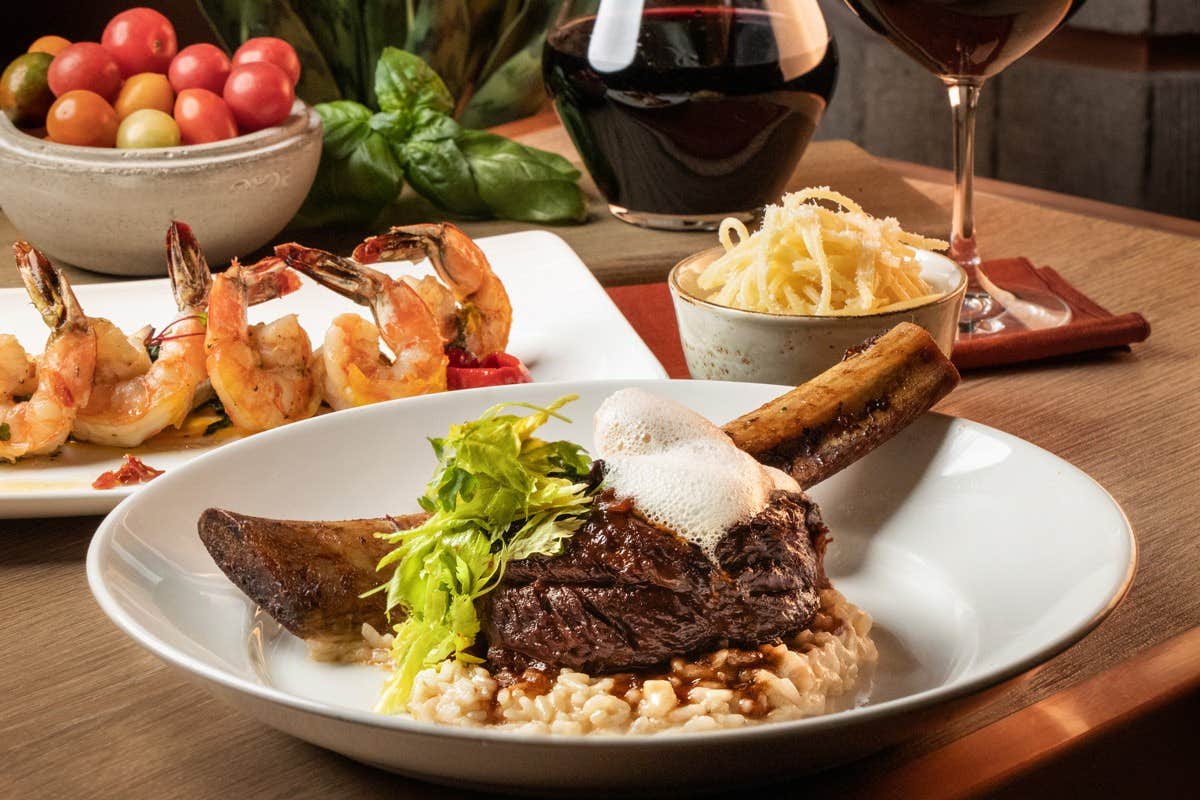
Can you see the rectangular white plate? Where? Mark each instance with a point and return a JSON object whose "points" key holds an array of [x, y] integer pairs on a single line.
{"points": [[565, 327]]}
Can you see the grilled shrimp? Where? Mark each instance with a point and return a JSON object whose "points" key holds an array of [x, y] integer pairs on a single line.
{"points": [[355, 371], [133, 398], [38, 406], [263, 374], [480, 318]]}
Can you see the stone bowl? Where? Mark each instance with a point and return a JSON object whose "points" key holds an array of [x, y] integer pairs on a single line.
{"points": [[723, 343], [107, 210]]}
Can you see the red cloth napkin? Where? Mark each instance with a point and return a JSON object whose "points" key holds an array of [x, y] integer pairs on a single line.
{"points": [[1091, 327], [648, 308]]}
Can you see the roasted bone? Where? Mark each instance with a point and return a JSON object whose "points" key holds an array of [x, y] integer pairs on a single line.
{"points": [[307, 575], [847, 411]]}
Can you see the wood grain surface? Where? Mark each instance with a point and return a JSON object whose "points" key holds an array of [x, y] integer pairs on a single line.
{"points": [[87, 713]]}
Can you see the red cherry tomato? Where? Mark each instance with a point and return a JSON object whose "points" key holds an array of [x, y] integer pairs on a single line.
{"points": [[273, 51], [141, 40], [496, 369], [202, 117], [84, 65], [259, 94], [199, 66]]}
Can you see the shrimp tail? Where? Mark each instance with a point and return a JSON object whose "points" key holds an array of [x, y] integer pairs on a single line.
{"points": [[268, 279], [191, 278], [343, 275], [48, 288], [398, 244]]}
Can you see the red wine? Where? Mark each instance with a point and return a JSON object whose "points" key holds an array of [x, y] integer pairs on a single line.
{"points": [[711, 116], [964, 38]]}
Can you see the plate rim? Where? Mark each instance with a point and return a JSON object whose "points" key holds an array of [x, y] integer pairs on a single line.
{"points": [[926, 699]]}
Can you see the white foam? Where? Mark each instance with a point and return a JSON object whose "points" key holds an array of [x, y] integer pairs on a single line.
{"points": [[681, 471]]}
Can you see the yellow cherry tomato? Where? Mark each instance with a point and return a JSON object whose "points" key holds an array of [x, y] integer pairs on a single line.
{"points": [[147, 127], [145, 90], [48, 44]]}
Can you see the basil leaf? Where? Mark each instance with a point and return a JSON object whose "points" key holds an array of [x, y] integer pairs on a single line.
{"points": [[431, 126], [394, 125], [522, 183], [346, 126], [405, 83], [440, 172], [359, 173]]}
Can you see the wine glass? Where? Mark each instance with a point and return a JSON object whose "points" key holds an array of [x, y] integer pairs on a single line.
{"points": [[689, 112], [964, 42]]}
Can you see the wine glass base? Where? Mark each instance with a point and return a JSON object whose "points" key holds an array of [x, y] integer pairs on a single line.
{"points": [[984, 315], [678, 222]]}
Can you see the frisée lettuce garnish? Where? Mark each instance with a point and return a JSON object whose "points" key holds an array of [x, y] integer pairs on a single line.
{"points": [[498, 495]]}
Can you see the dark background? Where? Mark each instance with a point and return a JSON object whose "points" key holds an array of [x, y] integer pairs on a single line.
{"points": [[1107, 108]]}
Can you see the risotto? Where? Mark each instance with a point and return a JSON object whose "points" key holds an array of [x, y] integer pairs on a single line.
{"points": [[824, 668]]}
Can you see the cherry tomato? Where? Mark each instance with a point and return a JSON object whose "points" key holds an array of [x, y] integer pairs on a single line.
{"points": [[147, 127], [145, 90], [141, 40], [203, 117], [496, 369], [84, 65], [48, 44], [199, 66], [83, 118], [259, 94], [273, 51]]}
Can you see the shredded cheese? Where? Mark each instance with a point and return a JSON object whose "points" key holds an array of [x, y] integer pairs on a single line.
{"points": [[808, 259]]}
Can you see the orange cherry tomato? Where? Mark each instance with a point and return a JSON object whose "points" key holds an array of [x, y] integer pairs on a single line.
{"points": [[49, 44], [82, 118], [202, 117], [145, 90]]}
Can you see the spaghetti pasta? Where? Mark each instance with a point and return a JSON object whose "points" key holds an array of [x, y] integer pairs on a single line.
{"points": [[809, 259]]}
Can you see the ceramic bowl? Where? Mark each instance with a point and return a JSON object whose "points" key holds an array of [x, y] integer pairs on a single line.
{"points": [[723, 343], [108, 210]]}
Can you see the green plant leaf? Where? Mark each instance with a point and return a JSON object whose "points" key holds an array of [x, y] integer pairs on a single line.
{"points": [[523, 183], [439, 32], [385, 24], [507, 95], [336, 26], [405, 83]]}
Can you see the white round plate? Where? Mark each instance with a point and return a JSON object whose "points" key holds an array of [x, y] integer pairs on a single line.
{"points": [[978, 554]]}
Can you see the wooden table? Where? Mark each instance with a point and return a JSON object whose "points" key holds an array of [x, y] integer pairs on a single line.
{"points": [[87, 713]]}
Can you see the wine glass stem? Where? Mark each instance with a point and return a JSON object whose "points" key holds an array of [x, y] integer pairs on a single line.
{"points": [[964, 98]]}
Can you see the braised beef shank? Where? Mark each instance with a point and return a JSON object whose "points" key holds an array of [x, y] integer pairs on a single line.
{"points": [[625, 594]]}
